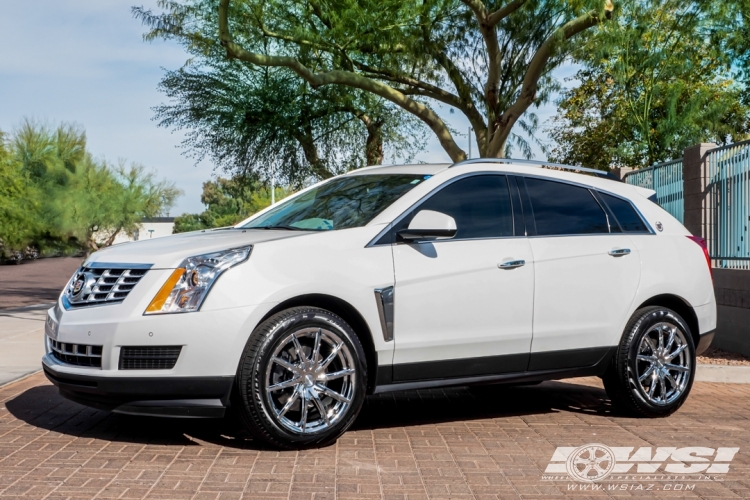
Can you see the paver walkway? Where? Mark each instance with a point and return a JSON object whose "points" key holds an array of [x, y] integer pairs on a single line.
{"points": [[455, 443]]}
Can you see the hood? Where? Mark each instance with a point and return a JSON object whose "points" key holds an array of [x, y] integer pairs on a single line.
{"points": [[168, 251]]}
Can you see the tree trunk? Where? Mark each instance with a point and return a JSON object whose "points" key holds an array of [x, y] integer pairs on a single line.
{"points": [[307, 142], [374, 143], [112, 237], [91, 245]]}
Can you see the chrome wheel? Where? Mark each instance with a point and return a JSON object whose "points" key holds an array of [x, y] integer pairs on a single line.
{"points": [[663, 364], [310, 380]]}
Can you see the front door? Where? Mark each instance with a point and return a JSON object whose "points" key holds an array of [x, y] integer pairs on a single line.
{"points": [[460, 309]]}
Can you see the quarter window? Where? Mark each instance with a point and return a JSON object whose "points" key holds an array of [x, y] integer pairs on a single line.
{"points": [[561, 209], [480, 205], [629, 220]]}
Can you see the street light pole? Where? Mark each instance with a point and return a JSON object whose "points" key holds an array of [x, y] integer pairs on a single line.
{"points": [[469, 136]]}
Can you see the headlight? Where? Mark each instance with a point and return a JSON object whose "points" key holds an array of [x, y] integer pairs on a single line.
{"points": [[188, 285]]}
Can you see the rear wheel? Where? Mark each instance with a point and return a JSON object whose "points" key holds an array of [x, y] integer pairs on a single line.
{"points": [[652, 373], [302, 378]]}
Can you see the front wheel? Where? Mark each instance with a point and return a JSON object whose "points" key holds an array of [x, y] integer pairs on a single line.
{"points": [[302, 378], [653, 370]]}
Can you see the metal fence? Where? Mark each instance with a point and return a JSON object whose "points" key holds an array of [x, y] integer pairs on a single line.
{"points": [[728, 205], [666, 180]]}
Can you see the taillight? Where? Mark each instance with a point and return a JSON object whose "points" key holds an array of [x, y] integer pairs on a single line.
{"points": [[702, 243]]}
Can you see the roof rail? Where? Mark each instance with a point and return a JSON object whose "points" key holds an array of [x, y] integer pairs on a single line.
{"points": [[541, 164]]}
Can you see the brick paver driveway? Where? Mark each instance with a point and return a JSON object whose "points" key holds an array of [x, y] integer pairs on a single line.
{"points": [[455, 443]]}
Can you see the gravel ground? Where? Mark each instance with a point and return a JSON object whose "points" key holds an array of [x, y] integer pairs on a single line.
{"points": [[35, 282], [715, 356]]}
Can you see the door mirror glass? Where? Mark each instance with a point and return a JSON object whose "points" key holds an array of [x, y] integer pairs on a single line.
{"points": [[428, 224]]}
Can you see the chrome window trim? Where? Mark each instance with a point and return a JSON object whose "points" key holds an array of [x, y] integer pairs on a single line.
{"points": [[437, 189], [384, 297]]}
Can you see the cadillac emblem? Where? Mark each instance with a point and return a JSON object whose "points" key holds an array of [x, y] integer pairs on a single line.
{"points": [[78, 284]]}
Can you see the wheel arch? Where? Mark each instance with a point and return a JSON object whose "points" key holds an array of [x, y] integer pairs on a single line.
{"points": [[348, 313], [681, 307]]}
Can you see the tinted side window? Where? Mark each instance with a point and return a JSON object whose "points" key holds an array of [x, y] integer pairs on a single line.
{"points": [[564, 209], [629, 220], [480, 204]]}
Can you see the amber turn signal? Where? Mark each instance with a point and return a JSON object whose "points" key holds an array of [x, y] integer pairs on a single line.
{"points": [[157, 304]]}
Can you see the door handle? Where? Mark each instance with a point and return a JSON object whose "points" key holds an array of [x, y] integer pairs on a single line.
{"points": [[512, 264], [619, 252]]}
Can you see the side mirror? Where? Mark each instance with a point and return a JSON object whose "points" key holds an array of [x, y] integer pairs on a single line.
{"points": [[429, 225]]}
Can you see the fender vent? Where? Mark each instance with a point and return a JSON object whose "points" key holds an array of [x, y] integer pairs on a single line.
{"points": [[149, 357]]}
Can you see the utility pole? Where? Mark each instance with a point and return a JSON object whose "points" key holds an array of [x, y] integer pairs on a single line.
{"points": [[469, 136]]}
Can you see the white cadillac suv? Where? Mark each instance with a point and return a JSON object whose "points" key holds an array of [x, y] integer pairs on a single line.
{"points": [[391, 278]]}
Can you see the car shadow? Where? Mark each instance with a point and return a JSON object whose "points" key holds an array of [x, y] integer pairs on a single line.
{"points": [[43, 407]]}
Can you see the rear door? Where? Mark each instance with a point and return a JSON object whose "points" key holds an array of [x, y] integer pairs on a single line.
{"points": [[458, 311], [586, 275]]}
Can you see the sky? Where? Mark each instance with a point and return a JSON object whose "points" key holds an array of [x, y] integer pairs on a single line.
{"points": [[85, 62]]}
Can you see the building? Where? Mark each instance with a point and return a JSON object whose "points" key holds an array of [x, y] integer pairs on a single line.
{"points": [[154, 227]]}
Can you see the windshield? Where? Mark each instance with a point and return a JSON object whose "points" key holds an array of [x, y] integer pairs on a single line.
{"points": [[339, 204]]}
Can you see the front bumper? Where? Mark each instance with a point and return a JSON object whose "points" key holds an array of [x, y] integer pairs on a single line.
{"points": [[194, 397], [197, 385]]}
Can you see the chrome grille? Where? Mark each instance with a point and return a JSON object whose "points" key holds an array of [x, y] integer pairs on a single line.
{"points": [[149, 357], [102, 284], [77, 354]]}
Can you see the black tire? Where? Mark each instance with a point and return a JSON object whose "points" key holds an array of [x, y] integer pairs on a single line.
{"points": [[258, 407], [621, 380]]}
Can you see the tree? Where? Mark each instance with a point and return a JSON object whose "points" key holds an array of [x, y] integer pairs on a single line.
{"points": [[55, 195], [110, 200], [228, 201], [263, 122], [658, 80], [18, 201], [489, 61]]}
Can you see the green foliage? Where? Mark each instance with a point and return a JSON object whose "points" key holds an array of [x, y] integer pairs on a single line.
{"points": [[262, 122], [228, 201], [655, 81], [56, 197], [490, 60], [18, 201]]}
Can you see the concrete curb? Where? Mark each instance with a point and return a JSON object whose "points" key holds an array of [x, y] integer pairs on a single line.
{"points": [[723, 374], [19, 379]]}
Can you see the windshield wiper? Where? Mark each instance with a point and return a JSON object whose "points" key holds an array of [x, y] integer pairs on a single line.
{"points": [[282, 226]]}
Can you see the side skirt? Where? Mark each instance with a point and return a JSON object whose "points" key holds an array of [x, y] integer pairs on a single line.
{"points": [[595, 367]]}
